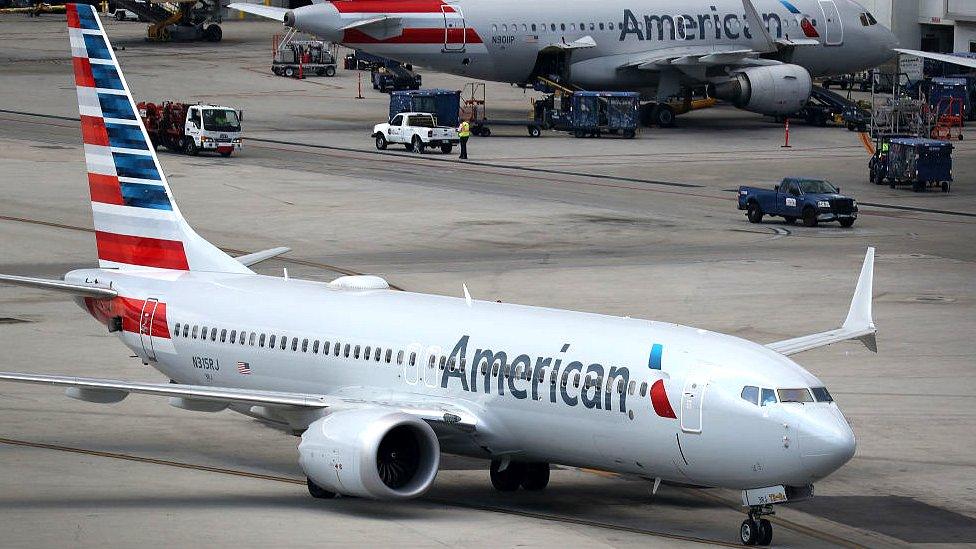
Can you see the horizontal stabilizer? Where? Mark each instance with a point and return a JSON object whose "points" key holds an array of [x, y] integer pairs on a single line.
{"points": [[954, 59], [271, 12], [263, 255], [858, 325], [84, 290]]}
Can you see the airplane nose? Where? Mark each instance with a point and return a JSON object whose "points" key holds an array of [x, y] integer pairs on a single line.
{"points": [[826, 442]]}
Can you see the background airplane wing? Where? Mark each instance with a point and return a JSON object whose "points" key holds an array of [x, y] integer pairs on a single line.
{"points": [[955, 59], [270, 12], [859, 323], [112, 390]]}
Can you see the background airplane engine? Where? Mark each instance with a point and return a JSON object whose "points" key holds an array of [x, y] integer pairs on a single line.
{"points": [[321, 19], [373, 452], [771, 89]]}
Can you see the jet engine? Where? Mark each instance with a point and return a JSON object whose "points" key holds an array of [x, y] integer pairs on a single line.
{"points": [[373, 453], [769, 89]]}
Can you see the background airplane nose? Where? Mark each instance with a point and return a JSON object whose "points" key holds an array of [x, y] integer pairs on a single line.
{"points": [[826, 442]]}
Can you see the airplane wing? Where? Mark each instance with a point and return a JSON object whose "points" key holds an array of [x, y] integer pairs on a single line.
{"points": [[955, 59], [270, 12], [380, 28], [859, 323], [113, 390], [84, 290], [263, 255]]}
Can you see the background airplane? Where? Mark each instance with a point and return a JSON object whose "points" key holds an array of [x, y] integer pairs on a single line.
{"points": [[758, 55], [379, 382]]}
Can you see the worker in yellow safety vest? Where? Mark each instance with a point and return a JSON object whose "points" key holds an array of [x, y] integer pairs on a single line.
{"points": [[464, 132]]}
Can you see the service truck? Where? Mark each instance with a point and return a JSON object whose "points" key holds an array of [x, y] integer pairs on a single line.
{"points": [[416, 131], [811, 200], [192, 128]]}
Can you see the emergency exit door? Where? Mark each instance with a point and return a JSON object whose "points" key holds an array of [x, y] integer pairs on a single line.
{"points": [[145, 326], [833, 27], [455, 33]]}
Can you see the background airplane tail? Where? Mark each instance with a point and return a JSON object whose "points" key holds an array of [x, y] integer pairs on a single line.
{"points": [[137, 222]]}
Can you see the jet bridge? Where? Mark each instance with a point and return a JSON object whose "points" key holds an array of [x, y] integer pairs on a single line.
{"points": [[179, 20]]}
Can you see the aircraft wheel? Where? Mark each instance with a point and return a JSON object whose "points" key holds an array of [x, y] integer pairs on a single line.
{"points": [[536, 476], [749, 532], [765, 536], [317, 491], [508, 480]]}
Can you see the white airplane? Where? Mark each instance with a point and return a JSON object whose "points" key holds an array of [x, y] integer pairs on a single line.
{"points": [[379, 382], [759, 55]]}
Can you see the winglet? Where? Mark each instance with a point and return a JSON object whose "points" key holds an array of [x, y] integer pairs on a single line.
{"points": [[858, 325], [264, 255], [859, 315], [761, 33]]}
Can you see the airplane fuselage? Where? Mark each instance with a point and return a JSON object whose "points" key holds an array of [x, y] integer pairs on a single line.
{"points": [[632, 396]]}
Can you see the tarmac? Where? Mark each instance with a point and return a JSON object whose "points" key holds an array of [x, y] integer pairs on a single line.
{"points": [[645, 227]]}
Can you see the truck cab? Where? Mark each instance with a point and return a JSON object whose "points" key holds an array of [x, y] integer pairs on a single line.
{"points": [[213, 128], [811, 200]]}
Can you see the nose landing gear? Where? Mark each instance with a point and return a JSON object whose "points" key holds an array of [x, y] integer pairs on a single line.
{"points": [[756, 530]]}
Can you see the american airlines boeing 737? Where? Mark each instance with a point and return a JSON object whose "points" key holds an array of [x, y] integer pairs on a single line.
{"points": [[378, 382], [758, 54]]}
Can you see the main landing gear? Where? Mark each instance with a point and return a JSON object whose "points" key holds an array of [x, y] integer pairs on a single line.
{"points": [[529, 476], [756, 530]]}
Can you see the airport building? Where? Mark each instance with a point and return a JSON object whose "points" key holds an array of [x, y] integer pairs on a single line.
{"points": [[931, 25]]}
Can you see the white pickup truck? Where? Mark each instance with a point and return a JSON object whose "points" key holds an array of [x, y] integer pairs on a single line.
{"points": [[416, 131]]}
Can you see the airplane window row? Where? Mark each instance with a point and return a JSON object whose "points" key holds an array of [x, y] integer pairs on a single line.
{"points": [[552, 27], [296, 344], [764, 396]]}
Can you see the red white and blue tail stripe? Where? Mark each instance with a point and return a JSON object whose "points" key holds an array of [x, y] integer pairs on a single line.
{"points": [[137, 222]]}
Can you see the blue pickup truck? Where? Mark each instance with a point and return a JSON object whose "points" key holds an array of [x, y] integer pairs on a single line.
{"points": [[810, 200]]}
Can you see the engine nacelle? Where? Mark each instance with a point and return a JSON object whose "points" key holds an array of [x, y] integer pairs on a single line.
{"points": [[769, 89], [372, 453]]}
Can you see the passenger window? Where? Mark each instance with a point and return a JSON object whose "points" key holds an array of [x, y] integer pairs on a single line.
{"points": [[251, 339], [601, 26], [304, 345], [177, 330], [261, 340], [186, 330], [195, 331], [494, 369], [284, 342], [576, 380], [243, 337], [325, 347], [533, 27], [223, 335], [233, 336], [643, 389], [632, 388], [271, 341], [377, 353], [399, 358], [413, 359], [750, 394], [768, 397], [213, 334], [389, 355], [620, 386], [794, 395], [315, 347], [355, 353], [430, 363], [337, 349], [366, 353], [442, 362], [821, 394]]}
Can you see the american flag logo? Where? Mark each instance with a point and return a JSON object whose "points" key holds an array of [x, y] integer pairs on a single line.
{"points": [[244, 368]]}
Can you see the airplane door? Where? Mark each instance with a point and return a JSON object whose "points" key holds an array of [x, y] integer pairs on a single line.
{"points": [[455, 33], [691, 403], [833, 26], [145, 326]]}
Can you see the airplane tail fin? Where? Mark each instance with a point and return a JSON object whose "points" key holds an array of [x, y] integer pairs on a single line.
{"points": [[137, 222]]}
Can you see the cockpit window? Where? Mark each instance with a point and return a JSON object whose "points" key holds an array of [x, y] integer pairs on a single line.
{"points": [[867, 19], [821, 394], [750, 394], [768, 397], [795, 395], [871, 19]]}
